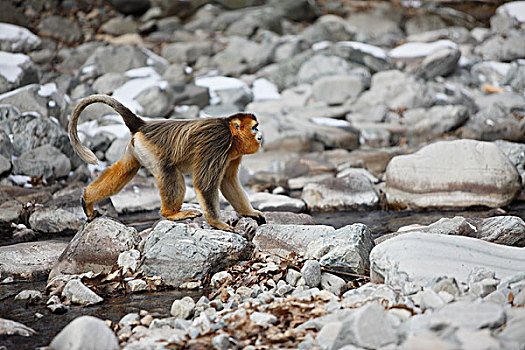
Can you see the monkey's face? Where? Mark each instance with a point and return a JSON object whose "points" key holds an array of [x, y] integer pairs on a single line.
{"points": [[245, 130]]}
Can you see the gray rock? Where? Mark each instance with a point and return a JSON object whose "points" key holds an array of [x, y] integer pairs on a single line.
{"points": [[136, 286], [8, 327], [368, 327], [242, 56], [428, 124], [78, 293], [120, 26], [186, 52], [330, 28], [395, 90], [31, 296], [493, 123], [470, 315], [219, 278], [458, 35], [60, 28], [477, 173], [274, 202], [18, 70], [85, 332], [155, 102], [6, 147], [15, 38], [95, 247], [345, 249], [513, 330], [370, 56], [117, 149], [428, 299], [372, 292], [440, 63], [109, 82], [223, 342], [197, 252], [354, 192], [129, 321], [263, 319], [116, 59], [491, 72], [292, 276], [55, 219], [10, 212], [284, 239], [507, 230], [477, 339], [418, 257], [45, 100], [386, 19], [506, 47], [44, 161], [506, 101], [182, 308], [311, 272], [32, 260], [338, 89], [484, 287], [332, 283], [322, 66]]}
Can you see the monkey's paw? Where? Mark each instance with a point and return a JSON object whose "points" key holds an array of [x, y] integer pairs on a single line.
{"points": [[181, 215], [257, 216], [222, 226]]}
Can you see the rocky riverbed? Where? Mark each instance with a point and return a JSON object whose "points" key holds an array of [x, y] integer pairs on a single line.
{"points": [[391, 176]]}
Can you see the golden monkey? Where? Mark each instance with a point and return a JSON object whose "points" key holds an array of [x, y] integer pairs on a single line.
{"points": [[210, 149]]}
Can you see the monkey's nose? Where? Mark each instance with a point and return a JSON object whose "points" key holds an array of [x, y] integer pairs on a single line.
{"points": [[259, 137]]}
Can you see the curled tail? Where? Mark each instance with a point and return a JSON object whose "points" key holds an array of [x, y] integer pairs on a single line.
{"points": [[131, 120]]}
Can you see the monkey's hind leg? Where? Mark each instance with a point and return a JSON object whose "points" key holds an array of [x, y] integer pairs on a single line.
{"points": [[110, 182], [209, 202], [172, 189]]}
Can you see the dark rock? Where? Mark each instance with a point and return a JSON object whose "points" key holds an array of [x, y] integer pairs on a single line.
{"points": [[130, 7], [60, 28], [44, 161], [95, 247]]}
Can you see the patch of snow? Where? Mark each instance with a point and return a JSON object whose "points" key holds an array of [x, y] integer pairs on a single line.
{"points": [[51, 104], [263, 89], [88, 69], [416, 49], [127, 92], [514, 9], [142, 72], [321, 45], [220, 83], [18, 36], [9, 65], [365, 48], [47, 90], [334, 123], [20, 180], [100, 166]]}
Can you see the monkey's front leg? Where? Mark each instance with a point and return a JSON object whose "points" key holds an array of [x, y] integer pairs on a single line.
{"points": [[232, 190], [209, 202]]}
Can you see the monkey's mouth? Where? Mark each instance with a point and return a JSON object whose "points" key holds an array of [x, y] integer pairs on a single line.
{"points": [[260, 139]]}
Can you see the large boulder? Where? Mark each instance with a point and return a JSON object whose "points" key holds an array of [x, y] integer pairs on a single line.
{"points": [[95, 247], [194, 252], [420, 257], [458, 173]]}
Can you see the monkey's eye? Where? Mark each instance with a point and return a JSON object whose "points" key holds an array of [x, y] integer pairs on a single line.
{"points": [[237, 127], [255, 128]]}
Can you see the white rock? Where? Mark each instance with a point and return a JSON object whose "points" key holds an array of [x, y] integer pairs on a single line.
{"points": [[420, 257], [274, 202], [414, 50], [137, 286], [85, 333], [129, 260], [78, 293], [17, 39]]}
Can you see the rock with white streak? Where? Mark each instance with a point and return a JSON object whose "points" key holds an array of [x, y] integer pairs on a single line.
{"points": [[16, 70], [419, 257], [452, 174]]}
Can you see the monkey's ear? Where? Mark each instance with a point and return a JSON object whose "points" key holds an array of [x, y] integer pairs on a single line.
{"points": [[236, 123]]}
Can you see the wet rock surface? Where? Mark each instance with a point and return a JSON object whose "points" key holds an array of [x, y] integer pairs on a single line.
{"points": [[406, 117]]}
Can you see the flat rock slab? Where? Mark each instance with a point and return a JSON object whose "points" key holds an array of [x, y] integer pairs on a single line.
{"points": [[458, 173], [30, 260], [276, 202], [178, 252], [419, 257], [284, 239]]}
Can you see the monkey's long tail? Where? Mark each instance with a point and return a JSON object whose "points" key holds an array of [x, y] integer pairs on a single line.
{"points": [[132, 121]]}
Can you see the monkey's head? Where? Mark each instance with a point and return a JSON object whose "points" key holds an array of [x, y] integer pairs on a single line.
{"points": [[247, 138]]}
